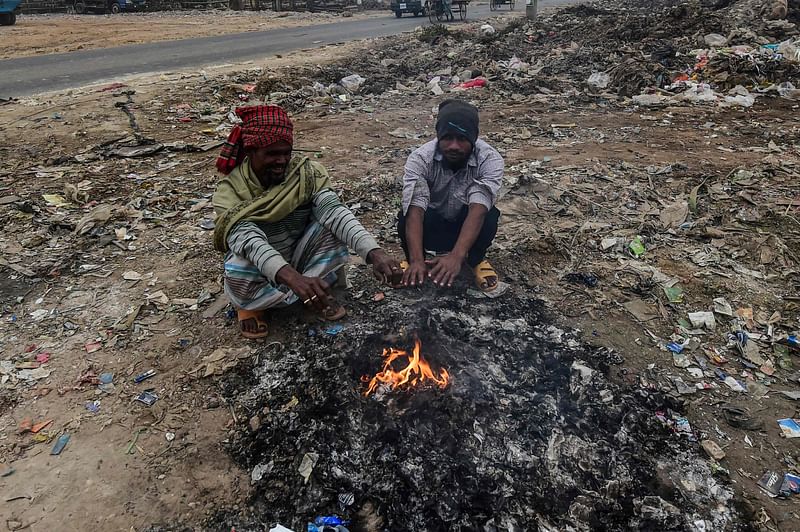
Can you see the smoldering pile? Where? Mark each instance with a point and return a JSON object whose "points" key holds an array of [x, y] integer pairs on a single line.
{"points": [[529, 433]]}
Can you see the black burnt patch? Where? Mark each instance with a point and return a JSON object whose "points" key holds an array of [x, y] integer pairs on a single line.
{"points": [[529, 434]]}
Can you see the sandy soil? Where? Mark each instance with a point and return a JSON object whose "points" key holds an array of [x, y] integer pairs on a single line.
{"points": [[102, 481], [47, 34]]}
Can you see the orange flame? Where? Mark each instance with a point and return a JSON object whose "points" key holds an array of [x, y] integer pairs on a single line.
{"points": [[414, 374]]}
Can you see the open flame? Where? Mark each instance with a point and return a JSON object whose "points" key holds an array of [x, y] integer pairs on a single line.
{"points": [[415, 374]]}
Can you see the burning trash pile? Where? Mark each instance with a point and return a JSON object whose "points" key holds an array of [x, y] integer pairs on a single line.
{"points": [[678, 53], [475, 417]]}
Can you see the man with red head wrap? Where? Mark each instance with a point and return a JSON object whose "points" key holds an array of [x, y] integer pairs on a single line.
{"points": [[283, 230]]}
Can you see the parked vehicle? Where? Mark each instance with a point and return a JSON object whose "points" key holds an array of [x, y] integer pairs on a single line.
{"points": [[416, 7], [7, 15], [108, 6], [437, 12]]}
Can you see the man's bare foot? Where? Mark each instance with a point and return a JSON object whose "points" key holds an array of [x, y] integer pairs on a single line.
{"points": [[252, 324]]}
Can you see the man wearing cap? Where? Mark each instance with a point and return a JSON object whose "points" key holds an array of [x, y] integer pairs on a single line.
{"points": [[283, 230], [450, 187]]}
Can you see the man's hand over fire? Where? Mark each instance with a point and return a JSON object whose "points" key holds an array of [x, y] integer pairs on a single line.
{"points": [[444, 270], [415, 273], [385, 268]]}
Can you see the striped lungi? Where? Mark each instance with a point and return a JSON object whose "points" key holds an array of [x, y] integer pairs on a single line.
{"points": [[317, 254]]}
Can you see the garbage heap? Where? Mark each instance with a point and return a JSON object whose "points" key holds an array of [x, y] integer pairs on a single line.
{"points": [[528, 431], [687, 52]]}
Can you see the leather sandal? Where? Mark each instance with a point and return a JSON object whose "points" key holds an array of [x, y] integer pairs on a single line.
{"points": [[484, 274], [262, 329]]}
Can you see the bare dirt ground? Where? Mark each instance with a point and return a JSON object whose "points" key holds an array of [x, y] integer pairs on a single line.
{"points": [[54, 33], [140, 288]]}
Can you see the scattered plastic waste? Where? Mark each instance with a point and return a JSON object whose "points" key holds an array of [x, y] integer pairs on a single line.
{"points": [[637, 247], [147, 398], [144, 376], [345, 500], [771, 483], [599, 79], [790, 428], [333, 330], [61, 443], [675, 347], [330, 520]]}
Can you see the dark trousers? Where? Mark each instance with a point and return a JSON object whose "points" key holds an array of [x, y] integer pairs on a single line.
{"points": [[440, 235]]}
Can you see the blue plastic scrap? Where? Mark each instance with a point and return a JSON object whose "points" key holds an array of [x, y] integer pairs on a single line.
{"points": [[333, 330], [674, 347], [326, 528], [330, 520], [144, 376], [61, 442]]}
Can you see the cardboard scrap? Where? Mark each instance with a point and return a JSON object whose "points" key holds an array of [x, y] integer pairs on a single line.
{"points": [[640, 310], [222, 360]]}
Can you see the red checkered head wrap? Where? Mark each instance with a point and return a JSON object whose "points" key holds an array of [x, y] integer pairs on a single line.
{"points": [[262, 125]]}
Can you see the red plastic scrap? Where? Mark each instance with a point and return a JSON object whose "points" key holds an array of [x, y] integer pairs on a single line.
{"points": [[39, 426], [91, 347], [472, 84]]}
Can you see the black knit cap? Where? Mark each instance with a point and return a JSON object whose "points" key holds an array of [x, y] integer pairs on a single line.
{"points": [[459, 117]]}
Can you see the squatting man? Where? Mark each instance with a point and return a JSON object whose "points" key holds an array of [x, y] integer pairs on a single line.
{"points": [[285, 233]]}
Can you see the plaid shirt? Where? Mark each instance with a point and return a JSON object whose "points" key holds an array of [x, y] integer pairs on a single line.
{"points": [[427, 183]]}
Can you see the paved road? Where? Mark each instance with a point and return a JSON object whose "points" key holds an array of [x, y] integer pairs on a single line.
{"points": [[30, 75]]}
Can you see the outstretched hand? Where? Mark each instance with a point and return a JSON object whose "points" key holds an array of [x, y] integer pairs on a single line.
{"points": [[415, 274], [385, 268], [444, 270]]}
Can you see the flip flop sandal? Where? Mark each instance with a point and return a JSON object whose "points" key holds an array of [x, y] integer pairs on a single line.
{"points": [[737, 417], [261, 325], [483, 272]]}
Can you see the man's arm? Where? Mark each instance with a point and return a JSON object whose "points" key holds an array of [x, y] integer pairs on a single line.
{"points": [[414, 219], [247, 240], [481, 195], [416, 197], [470, 230], [417, 269], [339, 220]]}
